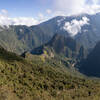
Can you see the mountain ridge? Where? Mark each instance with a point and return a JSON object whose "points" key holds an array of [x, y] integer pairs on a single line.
{"points": [[60, 45], [19, 39], [91, 65]]}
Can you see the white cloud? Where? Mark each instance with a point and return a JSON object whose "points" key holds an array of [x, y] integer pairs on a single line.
{"points": [[71, 7], [74, 27], [24, 21], [93, 9], [5, 20], [60, 7], [95, 2]]}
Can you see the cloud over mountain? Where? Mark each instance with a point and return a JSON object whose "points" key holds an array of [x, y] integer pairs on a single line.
{"points": [[74, 27]]}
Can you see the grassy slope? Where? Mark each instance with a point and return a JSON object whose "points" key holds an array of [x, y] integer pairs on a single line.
{"points": [[22, 79]]}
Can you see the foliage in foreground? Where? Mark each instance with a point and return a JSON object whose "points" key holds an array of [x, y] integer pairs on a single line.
{"points": [[22, 79]]}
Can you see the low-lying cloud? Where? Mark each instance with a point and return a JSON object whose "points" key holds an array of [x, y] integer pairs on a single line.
{"points": [[74, 27], [5, 20]]}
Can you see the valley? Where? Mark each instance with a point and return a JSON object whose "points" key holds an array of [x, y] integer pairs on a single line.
{"points": [[51, 60]]}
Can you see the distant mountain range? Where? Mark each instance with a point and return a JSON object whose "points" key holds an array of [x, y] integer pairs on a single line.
{"points": [[83, 28]]}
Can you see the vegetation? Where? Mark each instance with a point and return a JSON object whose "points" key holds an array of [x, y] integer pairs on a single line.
{"points": [[50, 73], [19, 39], [61, 45], [34, 79]]}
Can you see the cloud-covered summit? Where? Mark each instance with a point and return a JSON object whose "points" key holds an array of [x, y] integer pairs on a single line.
{"points": [[74, 27]]}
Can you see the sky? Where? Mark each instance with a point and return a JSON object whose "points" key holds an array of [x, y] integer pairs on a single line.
{"points": [[32, 12]]}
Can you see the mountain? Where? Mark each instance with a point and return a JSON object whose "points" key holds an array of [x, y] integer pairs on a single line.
{"points": [[89, 35], [83, 28], [61, 45], [91, 66], [19, 39], [21, 79]]}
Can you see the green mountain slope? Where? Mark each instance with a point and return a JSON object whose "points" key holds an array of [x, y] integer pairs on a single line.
{"points": [[19, 39], [61, 45], [22, 79]]}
